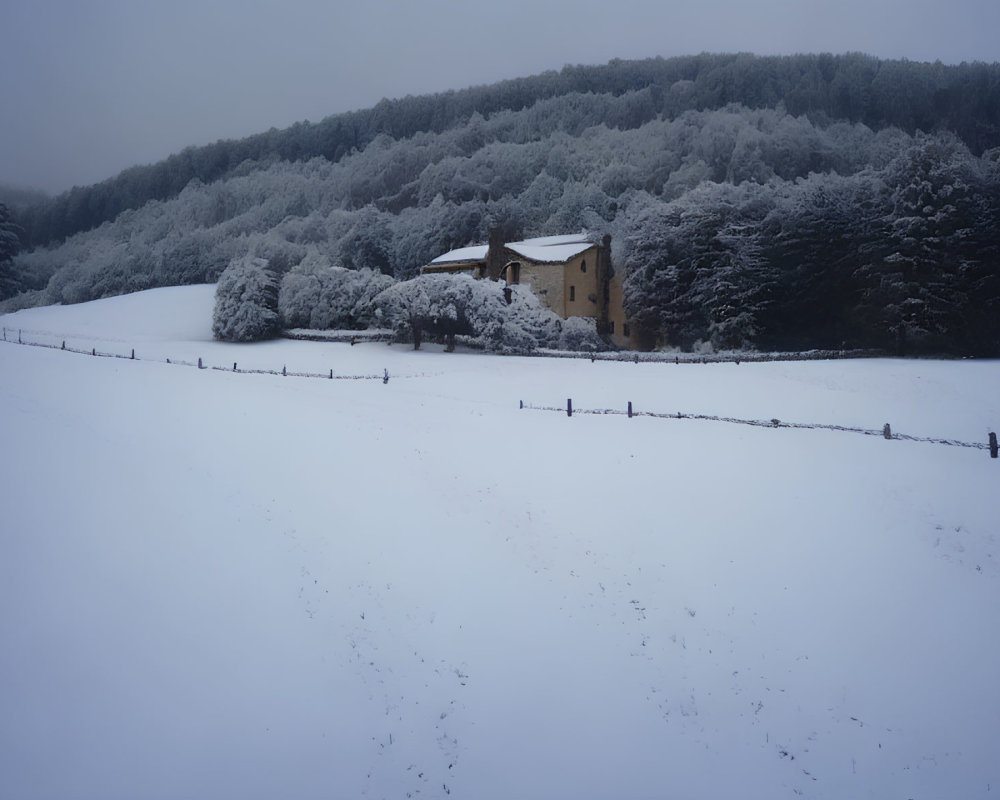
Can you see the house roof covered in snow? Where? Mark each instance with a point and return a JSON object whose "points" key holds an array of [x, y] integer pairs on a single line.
{"points": [[553, 253], [544, 249], [476, 252]]}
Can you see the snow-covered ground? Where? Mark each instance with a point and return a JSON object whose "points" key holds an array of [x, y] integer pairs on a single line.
{"points": [[235, 585]]}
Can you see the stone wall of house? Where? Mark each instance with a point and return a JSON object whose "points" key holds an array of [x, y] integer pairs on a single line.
{"points": [[546, 281]]}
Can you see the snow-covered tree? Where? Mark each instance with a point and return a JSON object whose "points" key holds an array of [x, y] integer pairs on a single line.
{"points": [[246, 301], [368, 243], [579, 334], [693, 271]]}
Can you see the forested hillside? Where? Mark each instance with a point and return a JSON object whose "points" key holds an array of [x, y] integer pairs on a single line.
{"points": [[808, 201]]}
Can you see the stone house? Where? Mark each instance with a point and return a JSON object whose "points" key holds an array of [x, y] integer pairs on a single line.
{"points": [[572, 275]]}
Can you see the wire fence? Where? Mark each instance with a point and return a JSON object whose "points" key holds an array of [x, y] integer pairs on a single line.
{"points": [[735, 357], [885, 431], [8, 337]]}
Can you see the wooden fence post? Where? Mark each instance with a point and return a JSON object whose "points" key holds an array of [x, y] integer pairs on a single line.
{"points": [[93, 351], [199, 363], [64, 344], [385, 377], [993, 445], [521, 403], [569, 407], [331, 373], [630, 409], [133, 354], [234, 366], [284, 371], [887, 431]]}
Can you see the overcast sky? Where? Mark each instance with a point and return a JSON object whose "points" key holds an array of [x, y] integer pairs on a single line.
{"points": [[90, 87]]}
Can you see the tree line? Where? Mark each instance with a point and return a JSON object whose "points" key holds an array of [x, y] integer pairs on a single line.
{"points": [[901, 257], [911, 96]]}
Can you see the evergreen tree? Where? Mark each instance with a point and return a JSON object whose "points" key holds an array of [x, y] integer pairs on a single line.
{"points": [[10, 243], [246, 301]]}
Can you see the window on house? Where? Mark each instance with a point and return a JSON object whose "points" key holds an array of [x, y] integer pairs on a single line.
{"points": [[611, 326], [572, 293], [583, 265], [625, 329]]}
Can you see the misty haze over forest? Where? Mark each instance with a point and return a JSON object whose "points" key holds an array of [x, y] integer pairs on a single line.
{"points": [[774, 203]]}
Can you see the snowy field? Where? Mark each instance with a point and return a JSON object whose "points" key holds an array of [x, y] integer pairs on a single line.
{"points": [[237, 585]]}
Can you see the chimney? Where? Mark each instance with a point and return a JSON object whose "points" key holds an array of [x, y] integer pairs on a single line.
{"points": [[604, 272], [495, 258]]}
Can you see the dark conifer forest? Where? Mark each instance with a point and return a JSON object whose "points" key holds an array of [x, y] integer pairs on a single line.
{"points": [[790, 203]]}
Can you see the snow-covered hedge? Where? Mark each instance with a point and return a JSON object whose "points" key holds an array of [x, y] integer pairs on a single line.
{"points": [[319, 296], [451, 305]]}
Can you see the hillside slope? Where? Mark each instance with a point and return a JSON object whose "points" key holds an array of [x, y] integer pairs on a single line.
{"points": [[223, 584]]}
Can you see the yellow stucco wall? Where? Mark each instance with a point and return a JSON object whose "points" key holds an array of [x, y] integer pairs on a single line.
{"points": [[580, 287], [556, 284]]}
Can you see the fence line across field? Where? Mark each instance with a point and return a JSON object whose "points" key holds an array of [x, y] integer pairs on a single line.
{"points": [[885, 431], [200, 364]]}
